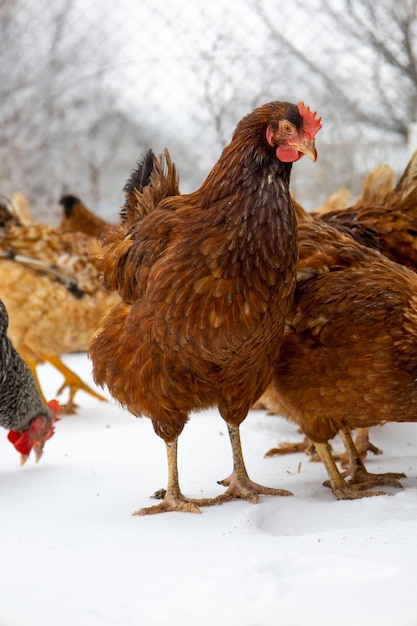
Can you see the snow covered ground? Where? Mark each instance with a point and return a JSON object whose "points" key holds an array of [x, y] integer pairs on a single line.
{"points": [[71, 553]]}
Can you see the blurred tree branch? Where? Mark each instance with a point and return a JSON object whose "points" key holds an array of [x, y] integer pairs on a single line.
{"points": [[376, 42], [87, 85]]}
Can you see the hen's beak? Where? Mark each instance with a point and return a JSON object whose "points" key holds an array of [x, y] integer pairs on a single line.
{"points": [[38, 449], [308, 147]]}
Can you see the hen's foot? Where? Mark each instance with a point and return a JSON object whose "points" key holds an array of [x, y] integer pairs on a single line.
{"points": [[366, 480], [75, 384], [170, 502], [178, 502], [290, 448], [245, 489], [305, 446], [72, 381], [350, 491], [342, 490]]}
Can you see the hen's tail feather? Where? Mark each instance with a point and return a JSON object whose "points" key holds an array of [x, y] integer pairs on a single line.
{"points": [[139, 179], [406, 187], [377, 187], [153, 179]]}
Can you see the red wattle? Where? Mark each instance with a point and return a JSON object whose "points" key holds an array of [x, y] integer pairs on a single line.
{"points": [[288, 154], [20, 441]]}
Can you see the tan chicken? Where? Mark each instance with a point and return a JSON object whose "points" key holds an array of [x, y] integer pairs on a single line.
{"points": [[51, 290], [377, 187]]}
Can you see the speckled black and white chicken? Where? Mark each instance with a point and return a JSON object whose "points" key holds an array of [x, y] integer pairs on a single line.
{"points": [[22, 411]]}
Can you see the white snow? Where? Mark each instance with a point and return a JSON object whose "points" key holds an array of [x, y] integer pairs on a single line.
{"points": [[72, 553]]}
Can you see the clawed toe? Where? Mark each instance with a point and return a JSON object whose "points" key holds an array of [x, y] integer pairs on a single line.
{"points": [[351, 492], [305, 446], [169, 503], [246, 489], [368, 480]]}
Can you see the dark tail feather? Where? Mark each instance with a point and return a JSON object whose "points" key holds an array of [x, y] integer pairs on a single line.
{"points": [[153, 179], [68, 202], [139, 179]]}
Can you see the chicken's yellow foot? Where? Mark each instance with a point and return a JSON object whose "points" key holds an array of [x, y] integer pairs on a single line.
{"points": [[73, 382]]}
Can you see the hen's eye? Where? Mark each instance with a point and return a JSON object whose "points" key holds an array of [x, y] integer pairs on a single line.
{"points": [[287, 128]]}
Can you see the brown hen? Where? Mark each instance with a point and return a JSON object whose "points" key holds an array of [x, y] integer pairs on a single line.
{"points": [[347, 358], [383, 218], [206, 280]]}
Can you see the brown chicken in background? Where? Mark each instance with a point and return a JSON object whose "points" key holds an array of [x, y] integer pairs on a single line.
{"points": [[51, 288], [206, 280], [22, 410], [384, 217], [76, 216], [347, 358]]}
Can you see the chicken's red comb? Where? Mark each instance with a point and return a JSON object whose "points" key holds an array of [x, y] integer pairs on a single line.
{"points": [[55, 408], [311, 124]]}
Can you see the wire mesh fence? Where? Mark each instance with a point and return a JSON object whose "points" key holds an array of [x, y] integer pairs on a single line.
{"points": [[87, 85]]}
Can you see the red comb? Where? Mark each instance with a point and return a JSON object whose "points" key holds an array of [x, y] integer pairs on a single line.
{"points": [[311, 124], [55, 408]]}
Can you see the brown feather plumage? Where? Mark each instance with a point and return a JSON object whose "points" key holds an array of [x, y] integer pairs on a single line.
{"points": [[347, 358], [384, 218]]}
